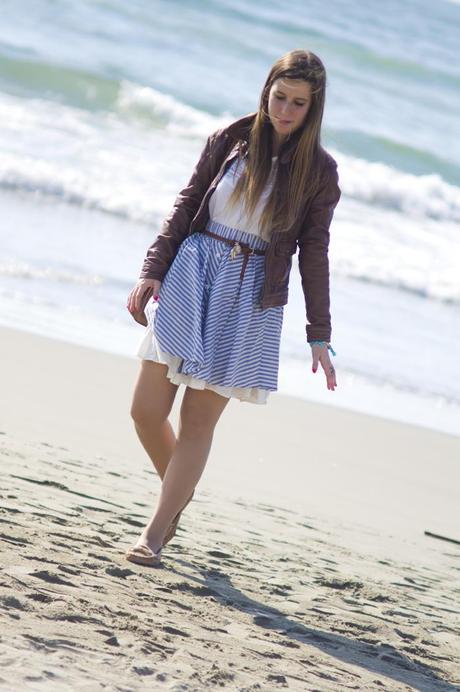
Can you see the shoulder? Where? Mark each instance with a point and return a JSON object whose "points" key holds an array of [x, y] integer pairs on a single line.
{"points": [[329, 188], [221, 141], [327, 163], [235, 130], [328, 192]]}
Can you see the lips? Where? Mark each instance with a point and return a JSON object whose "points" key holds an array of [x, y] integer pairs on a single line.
{"points": [[284, 122]]}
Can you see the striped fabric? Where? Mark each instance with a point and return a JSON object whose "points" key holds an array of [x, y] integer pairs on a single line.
{"points": [[207, 326]]}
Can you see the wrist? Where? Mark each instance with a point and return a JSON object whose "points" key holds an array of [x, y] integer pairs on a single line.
{"points": [[323, 343]]}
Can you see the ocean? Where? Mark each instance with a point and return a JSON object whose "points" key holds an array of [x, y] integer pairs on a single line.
{"points": [[105, 107]]}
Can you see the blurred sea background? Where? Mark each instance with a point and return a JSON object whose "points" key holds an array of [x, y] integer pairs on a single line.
{"points": [[104, 108]]}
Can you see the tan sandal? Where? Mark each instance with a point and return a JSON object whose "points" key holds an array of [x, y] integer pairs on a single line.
{"points": [[171, 532], [143, 555]]}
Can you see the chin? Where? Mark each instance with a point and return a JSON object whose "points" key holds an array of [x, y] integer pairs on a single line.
{"points": [[286, 131], [281, 129]]}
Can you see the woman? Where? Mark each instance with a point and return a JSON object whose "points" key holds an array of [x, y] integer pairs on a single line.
{"points": [[219, 273]]}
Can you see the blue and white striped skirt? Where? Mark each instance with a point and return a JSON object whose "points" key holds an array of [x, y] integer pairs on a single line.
{"points": [[207, 325]]}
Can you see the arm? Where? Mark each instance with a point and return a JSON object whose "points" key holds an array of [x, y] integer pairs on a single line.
{"points": [[313, 256], [175, 227]]}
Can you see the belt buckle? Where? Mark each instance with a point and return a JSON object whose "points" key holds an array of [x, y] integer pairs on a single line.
{"points": [[236, 249]]}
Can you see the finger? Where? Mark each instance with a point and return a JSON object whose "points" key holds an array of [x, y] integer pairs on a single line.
{"points": [[329, 371], [135, 300], [315, 360], [331, 378]]}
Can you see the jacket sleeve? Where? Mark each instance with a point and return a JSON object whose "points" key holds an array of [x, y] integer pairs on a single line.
{"points": [[161, 253], [313, 245]]}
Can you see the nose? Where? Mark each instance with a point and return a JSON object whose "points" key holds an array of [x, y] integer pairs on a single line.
{"points": [[285, 108]]}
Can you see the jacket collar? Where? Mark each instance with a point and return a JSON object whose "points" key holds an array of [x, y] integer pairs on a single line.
{"points": [[240, 129]]}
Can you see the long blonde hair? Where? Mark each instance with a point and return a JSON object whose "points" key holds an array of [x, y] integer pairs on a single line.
{"points": [[304, 170]]}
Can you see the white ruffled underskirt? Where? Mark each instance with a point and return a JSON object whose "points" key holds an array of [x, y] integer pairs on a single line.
{"points": [[149, 350]]}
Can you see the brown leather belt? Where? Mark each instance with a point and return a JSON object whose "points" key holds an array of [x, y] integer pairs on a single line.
{"points": [[238, 246]]}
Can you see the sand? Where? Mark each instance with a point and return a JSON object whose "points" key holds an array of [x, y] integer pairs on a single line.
{"points": [[301, 563]]}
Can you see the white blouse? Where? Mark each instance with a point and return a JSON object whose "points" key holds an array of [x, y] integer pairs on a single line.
{"points": [[236, 217]]}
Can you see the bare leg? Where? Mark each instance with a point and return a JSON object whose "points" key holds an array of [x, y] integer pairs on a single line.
{"points": [[200, 411], [152, 402]]}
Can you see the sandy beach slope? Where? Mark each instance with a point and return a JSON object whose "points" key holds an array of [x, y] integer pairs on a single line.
{"points": [[301, 563]]}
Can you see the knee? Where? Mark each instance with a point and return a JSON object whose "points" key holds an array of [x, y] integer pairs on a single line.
{"points": [[138, 414], [196, 422], [146, 416]]}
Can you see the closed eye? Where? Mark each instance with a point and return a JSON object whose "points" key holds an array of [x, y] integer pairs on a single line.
{"points": [[281, 98]]}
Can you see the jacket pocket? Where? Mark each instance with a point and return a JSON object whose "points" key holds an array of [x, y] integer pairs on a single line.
{"points": [[281, 269], [285, 248]]}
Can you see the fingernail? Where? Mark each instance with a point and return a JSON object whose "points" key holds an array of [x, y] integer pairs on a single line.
{"points": [[155, 297], [313, 369]]}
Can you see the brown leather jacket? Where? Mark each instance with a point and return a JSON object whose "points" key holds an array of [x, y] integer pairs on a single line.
{"points": [[310, 233]]}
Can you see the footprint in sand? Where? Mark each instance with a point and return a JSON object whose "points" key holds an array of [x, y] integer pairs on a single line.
{"points": [[51, 578]]}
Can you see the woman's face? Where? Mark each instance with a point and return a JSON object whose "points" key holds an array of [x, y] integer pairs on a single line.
{"points": [[288, 104]]}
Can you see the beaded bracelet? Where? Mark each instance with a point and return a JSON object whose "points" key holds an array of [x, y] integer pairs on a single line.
{"points": [[325, 343]]}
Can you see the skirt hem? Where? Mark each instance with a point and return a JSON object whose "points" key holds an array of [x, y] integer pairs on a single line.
{"points": [[150, 350]]}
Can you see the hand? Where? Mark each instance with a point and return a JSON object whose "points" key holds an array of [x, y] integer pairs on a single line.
{"points": [[135, 297], [320, 353]]}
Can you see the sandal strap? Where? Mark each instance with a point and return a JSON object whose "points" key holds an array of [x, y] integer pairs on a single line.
{"points": [[146, 550]]}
